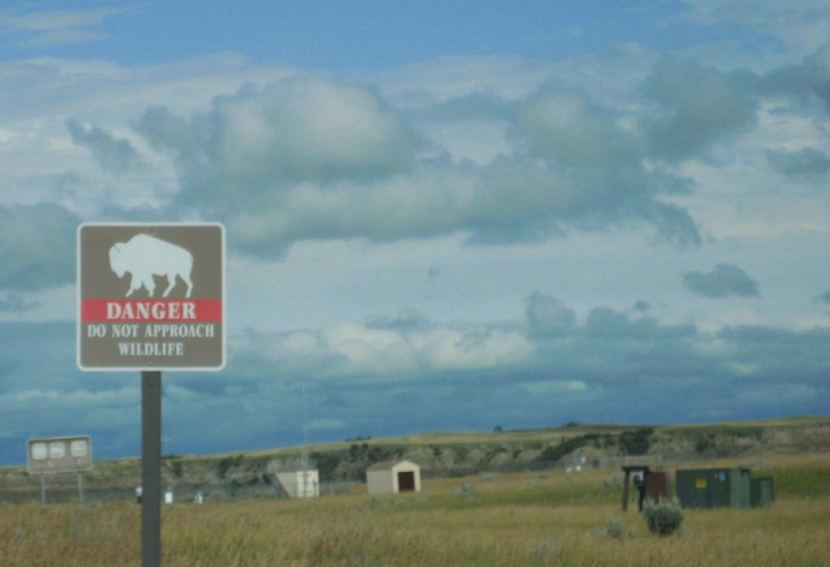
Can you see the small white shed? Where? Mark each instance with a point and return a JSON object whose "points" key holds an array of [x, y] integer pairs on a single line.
{"points": [[392, 477], [300, 483]]}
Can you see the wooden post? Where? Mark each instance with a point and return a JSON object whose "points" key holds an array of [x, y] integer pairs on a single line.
{"points": [[625, 489]]}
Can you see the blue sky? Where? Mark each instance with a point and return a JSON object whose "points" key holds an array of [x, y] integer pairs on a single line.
{"points": [[363, 35], [448, 215]]}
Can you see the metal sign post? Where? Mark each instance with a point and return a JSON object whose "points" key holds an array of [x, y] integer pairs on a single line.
{"points": [[43, 489], [151, 298], [150, 469], [80, 488]]}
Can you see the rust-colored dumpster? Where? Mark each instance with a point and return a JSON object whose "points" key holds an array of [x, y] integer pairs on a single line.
{"points": [[657, 486]]}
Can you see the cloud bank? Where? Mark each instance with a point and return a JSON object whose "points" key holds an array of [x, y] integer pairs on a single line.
{"points": [[313, 159], [37, 244]]}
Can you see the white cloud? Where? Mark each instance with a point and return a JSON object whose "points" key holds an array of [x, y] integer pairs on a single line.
{"points": [[50, 28], [452, 77], [362, 351], [547, 316], [39, 400], [801, 25], [479, 141], [252, 146], [561, 388], [56, 19], [307, 128], [104, 93], [37, 246], [62, 37]]}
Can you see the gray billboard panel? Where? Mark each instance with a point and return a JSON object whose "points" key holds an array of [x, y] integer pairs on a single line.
{"points": [[59, 454], [151, 296]]}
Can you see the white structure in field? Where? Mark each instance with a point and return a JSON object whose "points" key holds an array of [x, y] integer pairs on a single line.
{"points": [[392, 477], [300, 483]]}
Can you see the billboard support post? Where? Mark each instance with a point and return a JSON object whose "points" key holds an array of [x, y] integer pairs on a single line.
{"points": [[80, 488], [43, 489], [151, 468]]}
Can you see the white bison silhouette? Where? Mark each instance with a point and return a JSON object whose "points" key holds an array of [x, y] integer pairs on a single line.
{"points": [[144, 256]]}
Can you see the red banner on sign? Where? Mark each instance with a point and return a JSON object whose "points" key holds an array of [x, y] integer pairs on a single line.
{"points": [[151, 310]]}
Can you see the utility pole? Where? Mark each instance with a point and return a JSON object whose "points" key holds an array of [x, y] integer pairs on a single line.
{"points": [[305, 442]]}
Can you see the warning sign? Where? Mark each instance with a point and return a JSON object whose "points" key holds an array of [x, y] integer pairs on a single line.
{"points": [[151, 296], [700, 483]]}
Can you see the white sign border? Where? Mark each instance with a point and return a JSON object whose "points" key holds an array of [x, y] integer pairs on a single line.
{"points": [[78, 326]]}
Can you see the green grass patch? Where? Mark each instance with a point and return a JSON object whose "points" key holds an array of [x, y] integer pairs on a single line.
{"points": [[806, 482]]}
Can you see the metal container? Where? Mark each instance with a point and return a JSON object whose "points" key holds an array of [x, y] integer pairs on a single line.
{"points": [[714, 488]]}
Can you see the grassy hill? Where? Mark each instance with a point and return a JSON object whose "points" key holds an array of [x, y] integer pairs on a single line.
{"points": [[444, 455]]}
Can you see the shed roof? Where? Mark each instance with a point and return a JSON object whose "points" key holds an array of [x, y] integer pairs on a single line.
{"points": [[388, 465], [275, 466]]}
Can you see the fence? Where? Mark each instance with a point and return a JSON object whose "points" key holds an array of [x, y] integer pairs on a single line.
{"points": [[63, 488]]}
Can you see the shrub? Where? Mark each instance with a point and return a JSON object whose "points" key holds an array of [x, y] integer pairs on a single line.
{"points": [[614, 528], [223, 466], [704, 443], [377, 453], [663, 518], [554, 453], [357, 451], [466, 490], [327, 463], [636, 442]]}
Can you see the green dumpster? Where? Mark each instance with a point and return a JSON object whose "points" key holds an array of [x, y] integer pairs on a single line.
{"points": [[713, 488], [762, 492]]}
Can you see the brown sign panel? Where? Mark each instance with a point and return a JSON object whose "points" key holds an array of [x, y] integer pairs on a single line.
{"points": [[59, 454], [151, 296]]}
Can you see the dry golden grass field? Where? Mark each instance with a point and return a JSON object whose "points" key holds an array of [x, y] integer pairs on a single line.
{"points": [[513, 519]]}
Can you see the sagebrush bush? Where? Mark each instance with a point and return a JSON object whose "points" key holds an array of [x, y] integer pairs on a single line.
{"points": [[663, 518], [614, 528], [467, 489]]}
